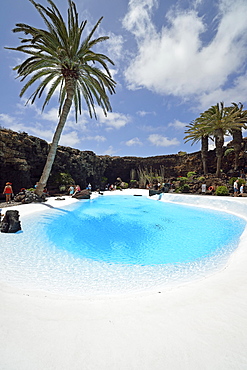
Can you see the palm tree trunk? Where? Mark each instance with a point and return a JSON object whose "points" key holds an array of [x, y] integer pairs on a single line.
{"points": [[219, 142], [204, 153], [237, 143], [53, 147]]}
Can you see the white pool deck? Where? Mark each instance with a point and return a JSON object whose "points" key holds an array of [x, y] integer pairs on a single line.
{"points": [[200, 325]]}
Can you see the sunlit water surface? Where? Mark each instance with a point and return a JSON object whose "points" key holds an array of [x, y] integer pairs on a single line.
{"points": [[117, 244]]}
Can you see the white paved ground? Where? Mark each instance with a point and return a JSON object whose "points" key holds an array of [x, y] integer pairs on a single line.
{"points": [[200, 325]]}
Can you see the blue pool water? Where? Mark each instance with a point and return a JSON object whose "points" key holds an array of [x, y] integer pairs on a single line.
{"points": [[117, 244], [137, 230]]}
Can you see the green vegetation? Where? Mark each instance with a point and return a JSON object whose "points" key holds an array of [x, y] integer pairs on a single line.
{"points": [[201, 178], [185, 188], [133, 183], [222, 190], [124, 185], [150, 175], [62, 179], [182, 180], [240, 181], [190, 174]]}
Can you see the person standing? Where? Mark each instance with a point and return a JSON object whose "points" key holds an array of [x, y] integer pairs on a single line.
{"points": [[204, 188], [235, 188], [71, 190], [8, 191]]}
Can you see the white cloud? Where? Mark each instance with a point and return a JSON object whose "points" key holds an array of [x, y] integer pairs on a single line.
{"points": [[159, 140], [138, 18], [175, 61], [177, 124], [41, 131], [71, 139], [143, 113], [97, 138], [133, 142], [110, 151], [235, 93], [113, 119], [114, 47], [49, 115], [6, 119]]}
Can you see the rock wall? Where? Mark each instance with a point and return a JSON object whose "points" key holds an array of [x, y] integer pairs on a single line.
{"points": [[22, 158]]}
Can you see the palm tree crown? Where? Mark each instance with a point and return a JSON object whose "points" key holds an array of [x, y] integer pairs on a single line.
{"points": [[60, 59]]}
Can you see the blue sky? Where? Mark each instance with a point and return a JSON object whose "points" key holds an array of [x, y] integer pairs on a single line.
{"points": [[173, 60]]}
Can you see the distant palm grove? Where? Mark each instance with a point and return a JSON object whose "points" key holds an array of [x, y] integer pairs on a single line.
{"points": [[214, 124]]}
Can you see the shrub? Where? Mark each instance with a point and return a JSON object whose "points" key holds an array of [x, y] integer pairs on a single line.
{"points": [[182, 179], [222, 190], [62, 178], [232, 179], [124, 185], [133, 183], [62, 187], [185, 188], [191, 173], [240, 181], [201, 178]]}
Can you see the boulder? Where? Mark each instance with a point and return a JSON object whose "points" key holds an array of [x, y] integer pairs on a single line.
{"points": [[11, 223], [83, 194], [154, 192], [27, 197]]}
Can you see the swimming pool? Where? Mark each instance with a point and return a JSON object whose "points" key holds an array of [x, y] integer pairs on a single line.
{"points": [[118, 244]]}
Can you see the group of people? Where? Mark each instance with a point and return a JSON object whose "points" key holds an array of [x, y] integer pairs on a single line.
{"points": [[8, 191], [74, 189], [236, 190]]}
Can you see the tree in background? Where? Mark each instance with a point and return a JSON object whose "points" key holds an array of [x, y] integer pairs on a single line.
{"points": [[196, 132], [237, 135], [216, 122], [58, 58]]}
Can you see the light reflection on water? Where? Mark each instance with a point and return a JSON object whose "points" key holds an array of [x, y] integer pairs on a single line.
{"points": [[118, 244]]}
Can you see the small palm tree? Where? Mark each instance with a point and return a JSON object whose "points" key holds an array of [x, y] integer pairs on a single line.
{"points": [[196, 132], [58, 58]]}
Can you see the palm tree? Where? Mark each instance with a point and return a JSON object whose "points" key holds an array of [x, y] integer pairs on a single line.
{"points": [[196, 132], [218, 121], [58, 58], [236, 133]]}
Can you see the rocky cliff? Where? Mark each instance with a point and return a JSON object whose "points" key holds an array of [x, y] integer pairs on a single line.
{"points": [[22, 158]]}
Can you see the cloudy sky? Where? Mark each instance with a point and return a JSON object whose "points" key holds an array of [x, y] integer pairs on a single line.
{"points": [[173, 60]]}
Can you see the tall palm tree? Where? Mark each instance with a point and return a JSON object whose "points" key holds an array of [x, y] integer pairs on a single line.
{"points": [[236, 133], [196, 132], [218, 121], [58, 58]]}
